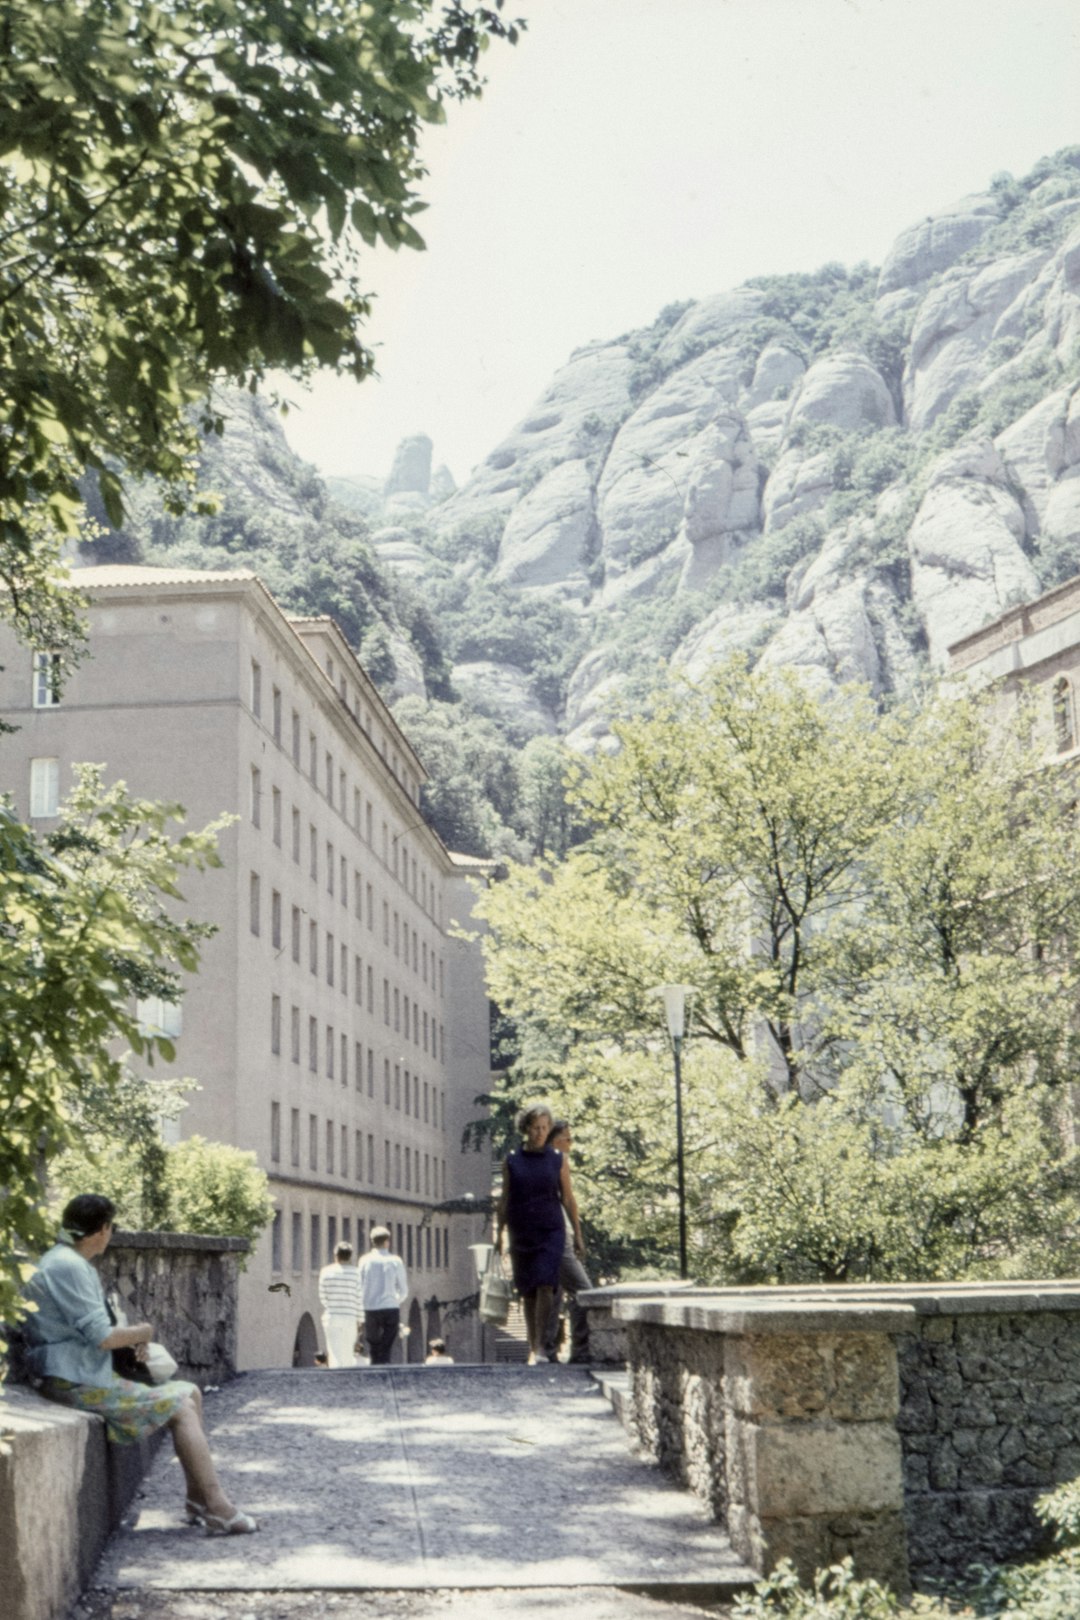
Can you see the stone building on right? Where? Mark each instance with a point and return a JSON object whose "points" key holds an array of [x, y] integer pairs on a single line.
{"points": [[1032, 648]]}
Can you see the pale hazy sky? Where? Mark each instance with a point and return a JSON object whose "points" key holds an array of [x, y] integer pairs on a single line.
{"points": [[629, 153]]}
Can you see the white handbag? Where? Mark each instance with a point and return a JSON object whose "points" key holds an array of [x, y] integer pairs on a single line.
{"points": [[496, 1291], [159, 1364]]}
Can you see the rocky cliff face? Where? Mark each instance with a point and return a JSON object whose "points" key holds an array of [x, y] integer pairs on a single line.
{"points": [[845, 472]]}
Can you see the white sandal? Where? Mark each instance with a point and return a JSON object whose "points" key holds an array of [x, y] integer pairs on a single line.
{"points": [[241, 1524]]}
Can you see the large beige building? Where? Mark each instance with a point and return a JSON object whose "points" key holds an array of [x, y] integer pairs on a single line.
{"points": [[338, 1025], [1033, 648]]}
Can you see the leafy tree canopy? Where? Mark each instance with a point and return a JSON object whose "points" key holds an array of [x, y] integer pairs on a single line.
{"points": [[87, 927], [879, 919], [183, 193]]}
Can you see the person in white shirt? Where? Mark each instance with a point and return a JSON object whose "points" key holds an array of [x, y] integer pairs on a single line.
{"points": [[342, 1308], [384, 1289], [438, 1355]]}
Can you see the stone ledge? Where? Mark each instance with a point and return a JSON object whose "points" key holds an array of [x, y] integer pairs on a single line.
{"points": [[745, 1316], [188, 1241]]}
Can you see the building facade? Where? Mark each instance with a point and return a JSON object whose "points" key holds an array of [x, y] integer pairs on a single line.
{"points": [[338, 1026], [1033, 648]]}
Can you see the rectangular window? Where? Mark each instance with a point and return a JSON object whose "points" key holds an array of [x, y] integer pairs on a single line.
{"points": [[343, 887], [427, 1247], [397, 1087], [397, 1166], [296, 739], [386, 1164], [316, 1243], [408, 1170], [296, 835], [276, 1242], [256, 797], [358, 1155], [343, 1163], [368, 821], [44, 787], [370, 906], [386, 1001], [341, 791], [313, 947], [425, 1102], [358, 1066], [313, 1142], [358, 896], [275, 1132], [329, 957], [385, 923], [371, 1158], [275, 817], [343, 976], [294, 1137], [397, 1010], [294, 934], [254, 905], [344, 1058], [330, 779], [331, 1235], [329, 1051], [370, 1072], [370, 989], [275, 1024], [346, 1229], [276, 712], [313, 1045], [329, 867], [356, 810], [386, 1081], [313, 839], [329, 1147], [358, 981], [294, 1034], [297, 1241], [256, 689], [313, 758], [46, 680], [275, 919], [408, 1246]]}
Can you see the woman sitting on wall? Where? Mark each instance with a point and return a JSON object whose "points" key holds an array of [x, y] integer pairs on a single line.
{"points": [[70, 1337]]}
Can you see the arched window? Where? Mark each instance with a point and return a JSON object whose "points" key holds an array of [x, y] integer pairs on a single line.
{"points": [[1064, 727]]}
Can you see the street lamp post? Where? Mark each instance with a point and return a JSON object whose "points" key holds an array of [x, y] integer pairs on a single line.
{"points": [[674, 998]]}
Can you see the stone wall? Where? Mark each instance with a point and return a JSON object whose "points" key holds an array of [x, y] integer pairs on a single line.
{"points": [[186, 1287], [910, 1427], [989, 1419]]}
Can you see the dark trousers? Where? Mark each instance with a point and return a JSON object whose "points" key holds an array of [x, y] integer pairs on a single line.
{"points": [[381, 1330], [572, 1277]]}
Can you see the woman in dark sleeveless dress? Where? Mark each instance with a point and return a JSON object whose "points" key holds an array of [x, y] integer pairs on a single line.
{"points": [[535, 1190]]}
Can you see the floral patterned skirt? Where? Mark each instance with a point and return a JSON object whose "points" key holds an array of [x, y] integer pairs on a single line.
{"points": [[131, 1411]]}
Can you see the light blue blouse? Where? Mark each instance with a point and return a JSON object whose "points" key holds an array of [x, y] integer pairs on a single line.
{"points": [[64, 1333]]}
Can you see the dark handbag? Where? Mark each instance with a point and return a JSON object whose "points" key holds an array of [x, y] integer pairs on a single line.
{"points": [[125, 1363]]}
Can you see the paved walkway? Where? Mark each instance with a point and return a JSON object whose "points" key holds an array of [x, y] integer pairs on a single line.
{"points": [[458, 1479]]}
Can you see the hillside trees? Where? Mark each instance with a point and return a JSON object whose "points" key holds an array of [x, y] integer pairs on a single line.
{"points": [[183, 191], [879, 920]]}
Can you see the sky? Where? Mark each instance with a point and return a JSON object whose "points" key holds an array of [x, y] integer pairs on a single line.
{"points": [[627, 154]]}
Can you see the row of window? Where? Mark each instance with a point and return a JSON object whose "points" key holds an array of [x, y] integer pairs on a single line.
{"points": [[333, 783], [404, 1168], [336, 869], [335, 1050], [424, 1247]]}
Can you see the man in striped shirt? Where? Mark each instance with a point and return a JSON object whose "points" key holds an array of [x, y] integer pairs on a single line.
{"points": [[342, 1307]]}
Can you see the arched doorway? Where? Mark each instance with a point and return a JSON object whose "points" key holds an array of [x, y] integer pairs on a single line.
{"points": [[306, 1342], [415, 1347]]}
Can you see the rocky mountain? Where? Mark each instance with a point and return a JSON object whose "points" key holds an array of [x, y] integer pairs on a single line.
{"points": [[844, 471]]}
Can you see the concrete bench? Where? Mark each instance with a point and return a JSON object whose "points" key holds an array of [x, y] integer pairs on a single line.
{"points": [[63, 1489]]}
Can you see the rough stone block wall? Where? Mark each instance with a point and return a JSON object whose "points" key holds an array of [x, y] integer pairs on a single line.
{"points": [[186, 1287], [789, 1438], [989, 1419]]}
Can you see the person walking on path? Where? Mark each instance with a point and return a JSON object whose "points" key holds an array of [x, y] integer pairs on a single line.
{"points": [[384, 1288], [70, 1339], [342, 1307], [535, 1191], [573, 1277]]}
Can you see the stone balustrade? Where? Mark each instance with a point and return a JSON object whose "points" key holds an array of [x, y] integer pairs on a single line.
{"points": [[908, 1426]]}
